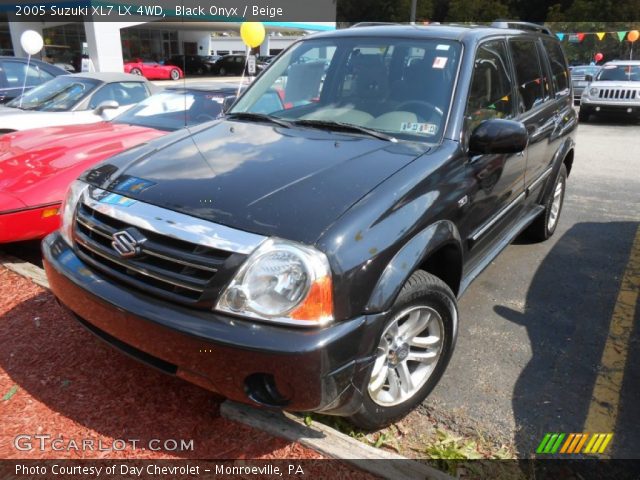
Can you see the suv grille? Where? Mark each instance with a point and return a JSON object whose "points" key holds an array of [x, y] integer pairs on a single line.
{"points": [[618, 93], [164, 266]]}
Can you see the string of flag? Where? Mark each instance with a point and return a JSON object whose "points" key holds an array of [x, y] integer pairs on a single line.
{"points": [[577, 37]]}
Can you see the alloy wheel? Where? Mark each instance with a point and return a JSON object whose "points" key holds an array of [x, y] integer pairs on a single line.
{"points": [[408, 352], [555, 206]]}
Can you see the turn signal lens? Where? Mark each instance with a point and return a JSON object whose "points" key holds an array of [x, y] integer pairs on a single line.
{"points": [[318, 306], [50, 212]]}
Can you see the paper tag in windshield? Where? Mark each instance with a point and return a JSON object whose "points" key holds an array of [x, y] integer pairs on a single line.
{"points": [[442, 47], [439, 62], [415, 127]]}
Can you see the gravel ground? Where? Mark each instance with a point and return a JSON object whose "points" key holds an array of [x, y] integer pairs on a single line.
{"points": [[57, 379]]}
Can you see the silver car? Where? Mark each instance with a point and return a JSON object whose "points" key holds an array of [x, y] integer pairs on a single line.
{"points": [[74, 99], [578, 79], [615, 89]]}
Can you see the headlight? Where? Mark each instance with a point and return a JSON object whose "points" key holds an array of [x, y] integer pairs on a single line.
{"points": [[76, 189], [282, 282], [593, 91]]}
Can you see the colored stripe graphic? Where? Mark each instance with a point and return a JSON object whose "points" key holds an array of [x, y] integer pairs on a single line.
{"points": [[555, 443]]}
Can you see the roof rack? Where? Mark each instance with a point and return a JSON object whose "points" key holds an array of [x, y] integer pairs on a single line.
{"points": [[373, 24], [532, 27]]}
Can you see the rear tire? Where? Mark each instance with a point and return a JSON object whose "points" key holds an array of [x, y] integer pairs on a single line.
{"points": [[545, 225], [413, 353]]}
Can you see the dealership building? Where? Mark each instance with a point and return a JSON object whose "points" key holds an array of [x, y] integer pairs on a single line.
{"points": [[110, 44]]}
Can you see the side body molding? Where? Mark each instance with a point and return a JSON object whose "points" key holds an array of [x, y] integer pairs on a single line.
{"points": [[410, 256]]}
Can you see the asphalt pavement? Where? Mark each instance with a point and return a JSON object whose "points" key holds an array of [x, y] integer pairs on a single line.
{"points": [[549, 337]]}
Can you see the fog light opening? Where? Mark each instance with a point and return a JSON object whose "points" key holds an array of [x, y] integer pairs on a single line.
{"points": [[261, 388]]}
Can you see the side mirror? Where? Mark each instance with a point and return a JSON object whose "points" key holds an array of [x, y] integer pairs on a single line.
{"points": [[588, 78], [498, 136], [106, 105], [228, 103]]}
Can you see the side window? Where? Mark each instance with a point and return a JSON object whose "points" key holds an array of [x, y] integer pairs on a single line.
{"points": [[559, 71], [491, 94], [15, 73], [528, 74], [125, 93]]}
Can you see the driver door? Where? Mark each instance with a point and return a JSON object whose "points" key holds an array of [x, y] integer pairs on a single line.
{"points": [[497, 179]]}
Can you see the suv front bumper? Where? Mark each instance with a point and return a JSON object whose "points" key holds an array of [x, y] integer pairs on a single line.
{"points": [[597, 105], [292, 368]]}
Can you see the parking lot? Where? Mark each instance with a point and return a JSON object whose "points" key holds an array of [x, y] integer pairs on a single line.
{"points": [[548, 339], [547, 323]]}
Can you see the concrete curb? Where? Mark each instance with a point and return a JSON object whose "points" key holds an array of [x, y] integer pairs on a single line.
{"points": [[331, 443]]}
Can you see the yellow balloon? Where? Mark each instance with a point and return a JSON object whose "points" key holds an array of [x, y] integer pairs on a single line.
{"points": [[633, 35], [252, 33]]}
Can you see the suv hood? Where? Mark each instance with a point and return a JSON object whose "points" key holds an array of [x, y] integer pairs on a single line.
{"points": [[287, 182]]}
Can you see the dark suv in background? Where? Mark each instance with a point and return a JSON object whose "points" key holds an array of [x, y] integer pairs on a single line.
{"points": [[190, 64], [308, 254]]}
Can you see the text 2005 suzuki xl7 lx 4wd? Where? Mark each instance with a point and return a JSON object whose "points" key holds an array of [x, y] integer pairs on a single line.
{"points": [[314, 241]]}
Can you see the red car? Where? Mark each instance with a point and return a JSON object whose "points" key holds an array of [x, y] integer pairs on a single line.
{"points": [[153, 70], [37, 166]]}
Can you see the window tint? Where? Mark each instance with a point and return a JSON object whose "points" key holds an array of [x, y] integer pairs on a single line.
{"points": [[559, 72], [15, 72], [125, 93], [528, 74], [490, 95]]}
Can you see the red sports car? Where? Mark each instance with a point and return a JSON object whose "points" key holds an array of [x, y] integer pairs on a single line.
{"points": [[153, 70], [37, 166]]}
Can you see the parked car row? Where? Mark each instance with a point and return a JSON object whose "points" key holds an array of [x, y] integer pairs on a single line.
{"points": [[177, 66], [74, 121], [315, 238]]}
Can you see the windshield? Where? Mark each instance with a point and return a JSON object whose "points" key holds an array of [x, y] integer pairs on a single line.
{"points": [[401, 87], [625, 73], [58, 95], [582, 71], [171, 110]]}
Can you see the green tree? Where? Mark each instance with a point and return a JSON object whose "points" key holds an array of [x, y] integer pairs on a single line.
{"points": [[349, 12], [477, 10]]}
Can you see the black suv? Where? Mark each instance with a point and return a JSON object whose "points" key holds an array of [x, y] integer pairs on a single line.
{"points": [[307, 254], [190, 64]]}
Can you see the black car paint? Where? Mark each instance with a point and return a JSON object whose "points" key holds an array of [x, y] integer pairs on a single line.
{"points": [[378, 210], [9, 93]]}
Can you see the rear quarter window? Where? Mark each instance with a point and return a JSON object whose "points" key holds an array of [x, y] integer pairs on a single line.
{"points": [[529, 74], [559, 69]]}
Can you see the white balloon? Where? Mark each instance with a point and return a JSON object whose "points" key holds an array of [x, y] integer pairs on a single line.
{"points": [[31, 42]]}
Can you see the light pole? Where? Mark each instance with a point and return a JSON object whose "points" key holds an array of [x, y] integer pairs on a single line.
{"points": [[414, 4]]}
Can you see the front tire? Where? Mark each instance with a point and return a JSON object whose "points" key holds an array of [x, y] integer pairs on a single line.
{"points": [[413, 352], [222, 71], [136, 71], [174, 74], [545, 225]]}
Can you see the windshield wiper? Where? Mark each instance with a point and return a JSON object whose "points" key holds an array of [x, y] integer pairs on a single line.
{"points": [[345, 127], [258, 116]]}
